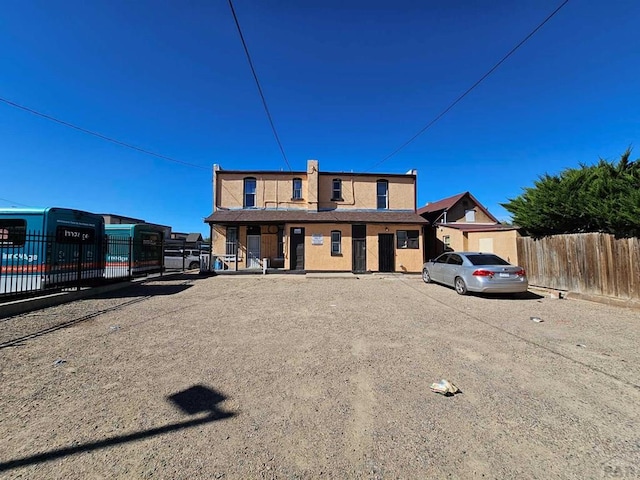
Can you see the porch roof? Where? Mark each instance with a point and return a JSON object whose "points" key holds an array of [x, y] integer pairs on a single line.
{"points": [[229, 217]]}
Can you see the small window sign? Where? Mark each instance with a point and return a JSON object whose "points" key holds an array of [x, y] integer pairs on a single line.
{"points": [[297, 231], [317, 239]]}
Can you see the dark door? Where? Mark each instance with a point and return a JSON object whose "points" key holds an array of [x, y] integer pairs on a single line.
{"points": [[296, 247], [359, 244], [386, 253]]}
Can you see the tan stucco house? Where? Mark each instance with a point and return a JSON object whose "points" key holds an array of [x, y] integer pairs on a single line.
{"points": [[460, 223], [316, 221]]}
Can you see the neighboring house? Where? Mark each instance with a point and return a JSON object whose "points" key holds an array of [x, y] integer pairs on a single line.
{"points": [[461, 223], [316, 221], [188, 240]]}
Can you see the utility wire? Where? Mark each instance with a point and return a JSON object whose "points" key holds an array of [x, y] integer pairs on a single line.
{"points": [[255, 77], [453, 104], [99, 135], [14, 203]]}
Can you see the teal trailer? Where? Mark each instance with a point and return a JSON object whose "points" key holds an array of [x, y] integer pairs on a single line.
{"points": [[133, 249], [43, 248]]}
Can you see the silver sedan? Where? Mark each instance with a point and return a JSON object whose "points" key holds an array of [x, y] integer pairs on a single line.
{"points": [[475, 272]]}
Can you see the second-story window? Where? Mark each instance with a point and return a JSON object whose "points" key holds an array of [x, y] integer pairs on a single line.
{"points": [[336, 189], [249, 192], [382, 190], [297, 189]]}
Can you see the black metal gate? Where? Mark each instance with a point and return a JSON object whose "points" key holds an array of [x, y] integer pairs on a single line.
{"points": [[296, 245], [359, 244], [386, 253]]}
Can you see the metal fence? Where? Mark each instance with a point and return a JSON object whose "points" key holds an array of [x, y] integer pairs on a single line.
{"points": [[590, 263], [35, 263]]}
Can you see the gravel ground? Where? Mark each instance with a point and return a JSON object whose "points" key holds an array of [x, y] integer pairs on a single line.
{"points": [[286, 376]]}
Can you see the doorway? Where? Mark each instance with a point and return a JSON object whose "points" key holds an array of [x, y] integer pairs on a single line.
{"points": [[386, 253], [296, 248]]}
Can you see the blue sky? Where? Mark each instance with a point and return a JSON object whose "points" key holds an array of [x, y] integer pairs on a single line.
{"points": [[347, 82]]}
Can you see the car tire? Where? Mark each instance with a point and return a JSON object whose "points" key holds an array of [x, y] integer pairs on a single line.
{"points": [[460, 286], [194, 265], [426, 278]]}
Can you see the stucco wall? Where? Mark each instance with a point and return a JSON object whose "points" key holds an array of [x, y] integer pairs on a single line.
{"points": [[318, 257], [503, 242], [407, 260], [457, 212], [275, 191], [359, 192], [272, 190]]}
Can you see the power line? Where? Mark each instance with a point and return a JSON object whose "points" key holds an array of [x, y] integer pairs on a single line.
{"points": [[99, 135], [453, 104], [14, 203], [255, 77]]}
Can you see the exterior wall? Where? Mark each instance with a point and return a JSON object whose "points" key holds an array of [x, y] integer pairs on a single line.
{"points": [[407, 260], [272, 190], [457, 240], [275, 191], [457, 212], [318, 257], [504, 242], [359, 192]]}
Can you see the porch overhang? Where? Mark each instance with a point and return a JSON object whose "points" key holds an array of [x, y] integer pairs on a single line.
{"points": [[270, 217]]}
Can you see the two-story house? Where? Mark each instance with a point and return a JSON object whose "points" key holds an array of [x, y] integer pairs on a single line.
{"points": [[461, 223], [316, 221]]}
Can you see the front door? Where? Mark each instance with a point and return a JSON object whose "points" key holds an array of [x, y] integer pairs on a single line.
{"points": [[386, 253], [359, 244], [296, 248], [253, 251]]}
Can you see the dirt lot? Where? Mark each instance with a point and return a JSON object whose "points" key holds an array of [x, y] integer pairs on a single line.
{"points": [[294, 377]]}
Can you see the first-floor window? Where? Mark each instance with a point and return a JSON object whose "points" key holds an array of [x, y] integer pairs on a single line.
{"points": [[336, 242], [446, 240], [408, 238], [232, 241]]}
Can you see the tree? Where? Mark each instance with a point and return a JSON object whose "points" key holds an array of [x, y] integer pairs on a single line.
{"points": [[604, 197]]}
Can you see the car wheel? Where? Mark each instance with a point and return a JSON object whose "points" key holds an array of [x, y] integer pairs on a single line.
{"points": [[194, 265], [425, 276], [461, 287]]}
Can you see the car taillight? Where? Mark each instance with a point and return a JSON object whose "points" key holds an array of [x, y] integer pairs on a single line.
{"points": [[483, 273], [521, 273]]}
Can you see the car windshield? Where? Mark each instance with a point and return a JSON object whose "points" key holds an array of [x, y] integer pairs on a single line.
{"points": [[486, 259]]}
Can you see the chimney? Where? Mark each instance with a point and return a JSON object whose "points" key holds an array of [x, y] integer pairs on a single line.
{"points": [[312, 185]]}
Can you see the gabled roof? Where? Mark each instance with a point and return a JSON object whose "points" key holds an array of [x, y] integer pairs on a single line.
{"points": [[434, 210], [441, 205], [247, 216], [194, 237]]}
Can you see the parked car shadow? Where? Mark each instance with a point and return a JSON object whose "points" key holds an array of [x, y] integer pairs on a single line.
{"points": [[511, 296], [193, 400]]}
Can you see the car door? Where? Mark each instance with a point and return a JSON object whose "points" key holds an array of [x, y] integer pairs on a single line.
{"points": [[436, 269], [452, 269]]}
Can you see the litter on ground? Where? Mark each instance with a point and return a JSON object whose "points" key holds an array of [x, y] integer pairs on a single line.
{"points": [[444, 387]]}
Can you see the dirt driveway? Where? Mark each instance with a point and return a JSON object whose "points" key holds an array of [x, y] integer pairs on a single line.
{"points": [[294, 377]]}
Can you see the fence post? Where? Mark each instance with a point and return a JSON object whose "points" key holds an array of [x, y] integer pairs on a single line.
{"points": [[130, 258], [79, 266]]}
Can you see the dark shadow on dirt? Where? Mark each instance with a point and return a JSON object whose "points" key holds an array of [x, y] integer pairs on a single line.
{"points": [[143, 290], [194, 400]]}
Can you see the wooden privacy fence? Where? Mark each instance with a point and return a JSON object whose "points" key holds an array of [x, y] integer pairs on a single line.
{"points": [[590, 263]]}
